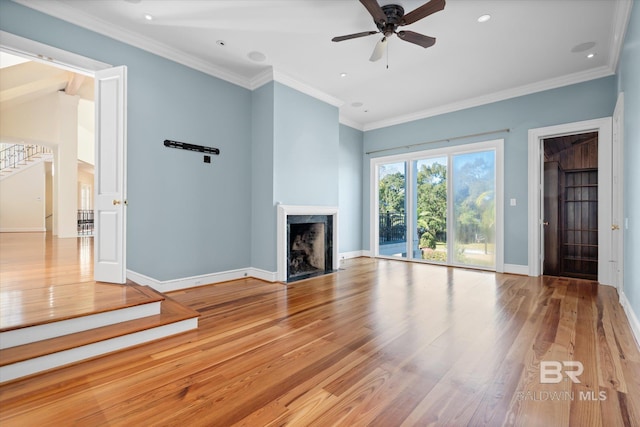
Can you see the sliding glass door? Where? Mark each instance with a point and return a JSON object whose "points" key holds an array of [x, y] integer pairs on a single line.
{"points": [[392, 202], [474, 209], [431, 209], [441, 206]]}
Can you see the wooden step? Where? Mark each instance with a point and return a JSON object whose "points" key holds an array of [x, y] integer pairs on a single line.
{"points": [[78, 307], [29, 359]]}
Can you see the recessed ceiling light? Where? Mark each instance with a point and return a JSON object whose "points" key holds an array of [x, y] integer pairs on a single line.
{"points": [[148, 17], [343, 74], [220, 42], [357, 104], [484, 18], [591, 55], [257, 56]]}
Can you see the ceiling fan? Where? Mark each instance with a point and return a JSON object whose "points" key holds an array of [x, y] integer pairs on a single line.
{"points": [[391, 16]]}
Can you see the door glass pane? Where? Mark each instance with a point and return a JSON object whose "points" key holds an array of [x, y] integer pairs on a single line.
{"points": [[474, 209], [392, 226], [431, 210]]}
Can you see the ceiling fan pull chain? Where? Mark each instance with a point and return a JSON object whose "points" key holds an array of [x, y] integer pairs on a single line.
{"points": [[387, 57]]}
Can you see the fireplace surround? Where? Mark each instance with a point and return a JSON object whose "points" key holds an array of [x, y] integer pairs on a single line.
{"points": [[307, 241]]}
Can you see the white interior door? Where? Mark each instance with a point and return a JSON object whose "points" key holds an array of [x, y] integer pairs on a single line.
{"points": [[616, 195], [110, 175]]}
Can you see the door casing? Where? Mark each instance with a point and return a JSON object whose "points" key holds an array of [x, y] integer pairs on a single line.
{"points": [[536, 186], [50, 55]]}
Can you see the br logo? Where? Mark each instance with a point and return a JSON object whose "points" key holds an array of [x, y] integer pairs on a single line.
{"points": [[551, 371]]}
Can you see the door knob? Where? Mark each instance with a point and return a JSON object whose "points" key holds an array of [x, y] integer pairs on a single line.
{"points": [[545, 223], [615, 227], [116, 202]]}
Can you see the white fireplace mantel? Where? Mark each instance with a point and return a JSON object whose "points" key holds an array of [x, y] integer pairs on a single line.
{"points": [[286, 210]]}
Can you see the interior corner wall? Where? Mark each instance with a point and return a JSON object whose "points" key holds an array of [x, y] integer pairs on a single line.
{"points": [[350, 190], [629, 83], [263, 214], [184, 217], [578, 102]]}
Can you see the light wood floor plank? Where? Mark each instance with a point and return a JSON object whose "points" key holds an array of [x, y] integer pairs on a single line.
{"points": [[381, 342]]}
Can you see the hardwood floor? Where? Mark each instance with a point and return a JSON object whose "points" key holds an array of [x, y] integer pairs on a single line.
{"points": [[45, 279], [381, 342]]}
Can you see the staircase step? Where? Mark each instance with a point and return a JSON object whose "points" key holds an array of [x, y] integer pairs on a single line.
{"points": [[78, 307], [29, 359]]}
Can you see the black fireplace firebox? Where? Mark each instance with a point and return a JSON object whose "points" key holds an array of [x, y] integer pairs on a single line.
{"points": [[310, 246]]}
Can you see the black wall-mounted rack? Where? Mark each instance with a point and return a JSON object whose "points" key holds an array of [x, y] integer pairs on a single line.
{"points": [[191, 147]]}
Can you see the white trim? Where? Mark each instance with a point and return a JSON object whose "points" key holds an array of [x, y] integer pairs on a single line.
{"points": [[261, 78], [352, 124], [631, 316], [40, 52], [187, 282], [45, 331], [603, 126], [350, 255], [76, 354], [522, 270], [502, 95], [96, 25], [267, 276], [281, 246], [367, 253], [293, 83], [497, 145], [621, 17], [23, 230], [617, 210]]}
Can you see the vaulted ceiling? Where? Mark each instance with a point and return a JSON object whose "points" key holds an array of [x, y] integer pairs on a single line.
{"points": [[526, 46]]}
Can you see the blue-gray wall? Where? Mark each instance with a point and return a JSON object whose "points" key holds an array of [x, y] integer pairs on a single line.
{"points": [[305, 149], [185, 218], [350, 191], [584, 101], [263, 214], [629, 83]]}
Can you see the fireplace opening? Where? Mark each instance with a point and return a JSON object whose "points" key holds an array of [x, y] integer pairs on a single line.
{"points": [[310, 246]]}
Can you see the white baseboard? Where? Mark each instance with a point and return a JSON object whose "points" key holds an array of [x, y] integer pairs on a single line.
{"points": [[352, 254], [22, 230], [367, 253], [202, 280], [268, 276], [633, 319], [516, 269], [187, 282]]}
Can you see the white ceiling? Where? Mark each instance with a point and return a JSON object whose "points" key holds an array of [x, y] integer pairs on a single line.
{"points": [[525, 47]]}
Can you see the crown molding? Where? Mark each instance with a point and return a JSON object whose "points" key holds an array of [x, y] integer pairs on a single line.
{"points": [[621, 17], [261, 78], [293, 83], [73, 16], [352, 124], [540, 86]]}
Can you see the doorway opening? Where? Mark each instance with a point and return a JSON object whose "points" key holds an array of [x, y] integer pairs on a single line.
{"points": [[571, 206]]}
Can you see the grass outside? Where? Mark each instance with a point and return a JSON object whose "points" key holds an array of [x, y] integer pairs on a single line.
{"points": [[470, 253]]}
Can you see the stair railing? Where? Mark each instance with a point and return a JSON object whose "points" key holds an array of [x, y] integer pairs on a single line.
{"points": [[13, 155]]}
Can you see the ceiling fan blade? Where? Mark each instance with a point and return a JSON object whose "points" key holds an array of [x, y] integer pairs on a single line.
{"points": [[417, 38], [423, 11], [379, 50], [353, 36], [375, 11]]}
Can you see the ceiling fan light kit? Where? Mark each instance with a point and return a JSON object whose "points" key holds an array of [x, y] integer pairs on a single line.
{"points": [[391, 16]]}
